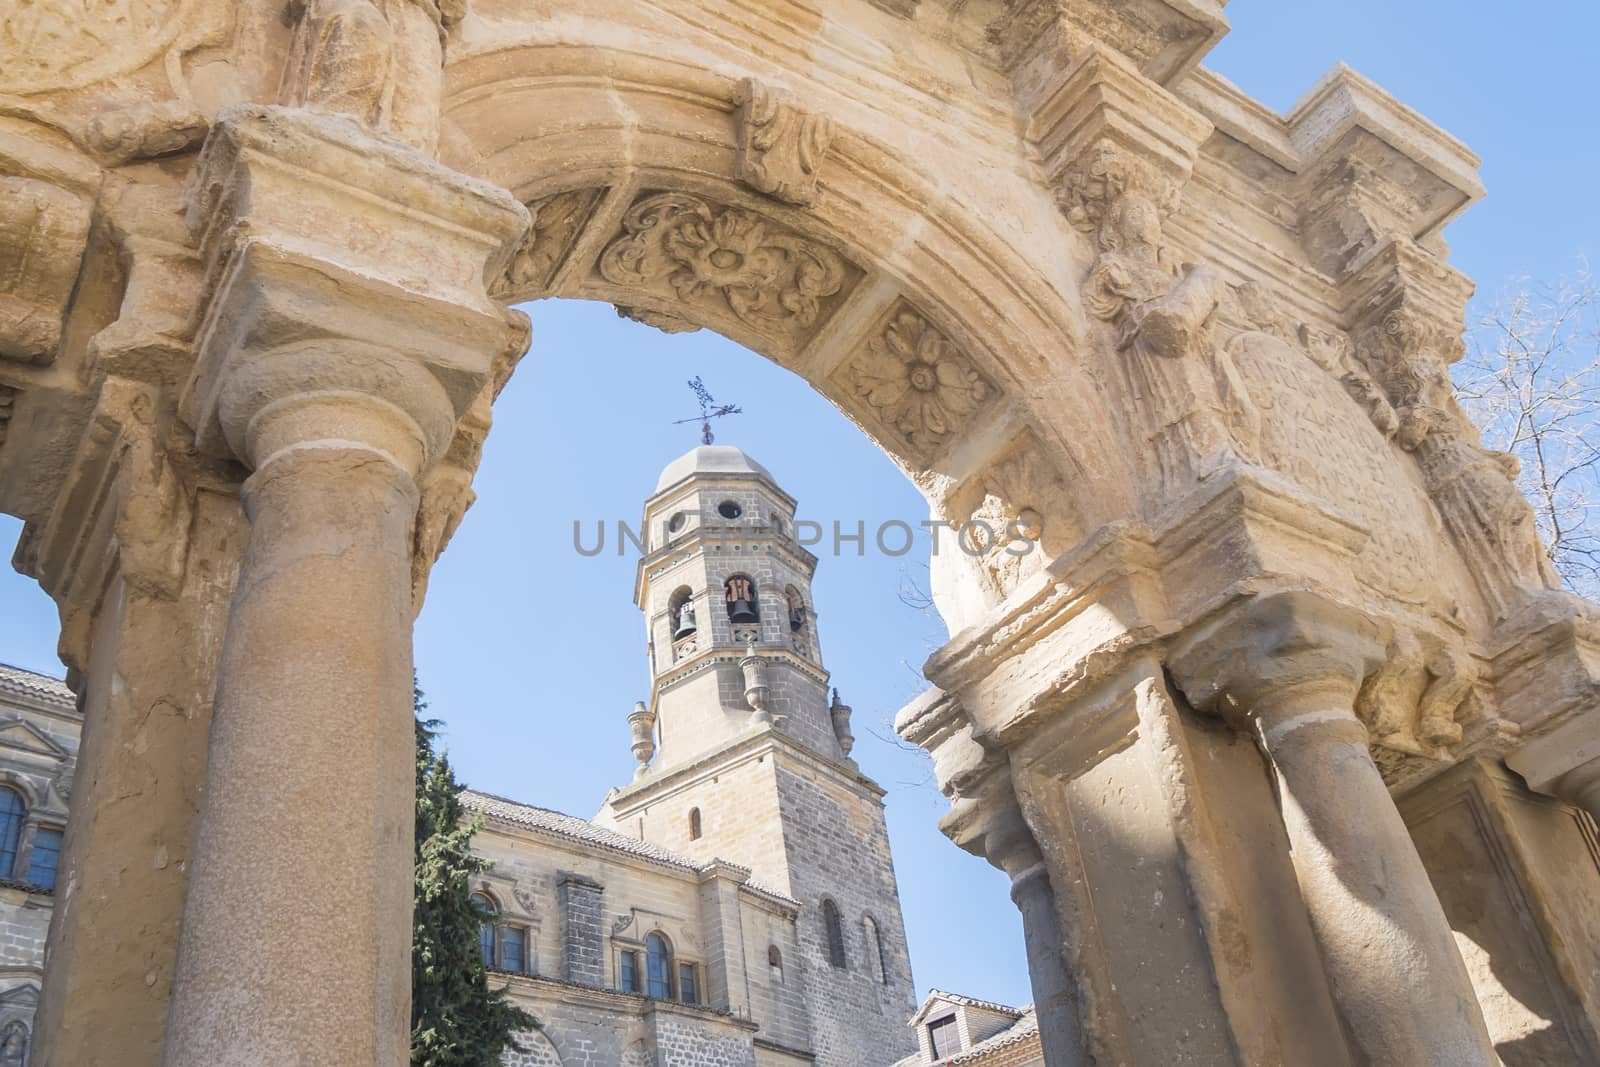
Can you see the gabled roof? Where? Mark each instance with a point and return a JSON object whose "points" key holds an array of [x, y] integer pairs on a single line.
{"points": [[36, 688], [939, 996]]}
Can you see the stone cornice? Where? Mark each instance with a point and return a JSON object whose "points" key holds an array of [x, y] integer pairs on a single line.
{"points": [[767, 740]]}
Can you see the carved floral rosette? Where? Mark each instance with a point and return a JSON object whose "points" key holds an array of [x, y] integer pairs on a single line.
{"points": [[919, 387], [715, 261]]}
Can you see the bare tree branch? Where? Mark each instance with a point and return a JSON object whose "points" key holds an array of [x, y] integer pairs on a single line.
{"points": [[1531, 381]]}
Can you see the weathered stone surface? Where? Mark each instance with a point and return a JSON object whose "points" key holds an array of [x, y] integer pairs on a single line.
{"points": [[1062, 274]]}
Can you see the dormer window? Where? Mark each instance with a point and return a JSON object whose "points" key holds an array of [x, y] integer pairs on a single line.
{"points": [[945, 1037]]}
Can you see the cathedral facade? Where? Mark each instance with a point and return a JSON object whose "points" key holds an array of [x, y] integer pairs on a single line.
{"points": [[735, 903]]}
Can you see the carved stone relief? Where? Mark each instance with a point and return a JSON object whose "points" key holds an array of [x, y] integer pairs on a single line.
{"points": [[1017, 516], [558, 221], [1415, 703], [1188, 403], [378, 62], [914, 384], [1475, 489], [49, 45], [780, 145], [725, 263], [1314, 432], [8, 402], [43, 229]]}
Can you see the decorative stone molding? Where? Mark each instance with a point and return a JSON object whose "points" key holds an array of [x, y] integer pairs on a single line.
{"points": [[781, 146], [271, 210], [725, 263], [1163, 38], [918, 388], [558, 222], [1371, 172]]}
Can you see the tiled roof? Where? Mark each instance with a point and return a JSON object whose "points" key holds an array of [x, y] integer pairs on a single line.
{"points": [[38, 687], [969, 1002], [1026, 1027], [1016, 1033], [576, 829]]}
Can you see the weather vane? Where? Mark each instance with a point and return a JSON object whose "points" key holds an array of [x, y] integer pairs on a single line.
{"points": [[709, 409]]}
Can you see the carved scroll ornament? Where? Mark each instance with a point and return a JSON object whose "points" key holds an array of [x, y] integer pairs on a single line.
{"points": [[780, 145]]}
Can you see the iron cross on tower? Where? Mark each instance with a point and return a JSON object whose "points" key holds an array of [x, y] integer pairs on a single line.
{"points": [[709, 409]]}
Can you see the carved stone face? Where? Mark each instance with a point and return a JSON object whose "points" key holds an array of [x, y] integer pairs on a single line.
{"points": [[1136, 226]]}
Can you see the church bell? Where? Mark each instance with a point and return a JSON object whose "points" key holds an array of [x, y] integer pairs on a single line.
{"points": [[743, 611]]}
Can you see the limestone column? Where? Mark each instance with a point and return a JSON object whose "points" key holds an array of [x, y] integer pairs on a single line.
{"points": [[296, 935], [348, 330], [1054, 996], [1287, 667]]}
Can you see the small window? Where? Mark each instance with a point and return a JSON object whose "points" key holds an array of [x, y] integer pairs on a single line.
{"points": [[46, 854], [688, 989], [486, 912], [775, 964], [513, 955], [12, 813], [694, 824], [946, 1039], [679, 520], [875, 949], [835, 933], [730, 509], [628, 972], [658, 967]]}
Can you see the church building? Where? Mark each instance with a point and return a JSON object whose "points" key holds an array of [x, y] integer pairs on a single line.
{"points": [[735, 903]]}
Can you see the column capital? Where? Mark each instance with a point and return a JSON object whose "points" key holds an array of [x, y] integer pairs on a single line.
{"points": [[1278, 658], [345, 292]]}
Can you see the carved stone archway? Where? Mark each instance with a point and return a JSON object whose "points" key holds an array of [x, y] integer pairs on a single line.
{"points": [[1190, 354]]}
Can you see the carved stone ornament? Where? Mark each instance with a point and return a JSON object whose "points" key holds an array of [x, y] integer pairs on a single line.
{"points": [[378, 61], [1474, 488], [780, 145], [1414, 702], [42, 233], [558, 220], [49, 45], [1189, 405], [723, 260], [916, 382]]}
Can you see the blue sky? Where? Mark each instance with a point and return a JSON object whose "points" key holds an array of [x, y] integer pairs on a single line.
{"points": [[534, 655]]}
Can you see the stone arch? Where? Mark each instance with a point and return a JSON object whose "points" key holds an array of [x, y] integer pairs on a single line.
{"points": [[536, 1050], [907, 268]]}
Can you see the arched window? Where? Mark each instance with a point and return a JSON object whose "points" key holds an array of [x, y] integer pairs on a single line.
{"points": [[743, 604], [835, 932], [694, 824], [875, 949], [775, 964], [680, 612], [797, 608], [658, 967], [13, 812], [487, 912]]}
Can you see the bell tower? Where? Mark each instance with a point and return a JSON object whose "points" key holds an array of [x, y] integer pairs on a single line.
{"points": [[744, 748], [726, 594]]}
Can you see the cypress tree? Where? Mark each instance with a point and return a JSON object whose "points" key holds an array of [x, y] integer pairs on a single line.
{"points": [[455, 1020]]}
